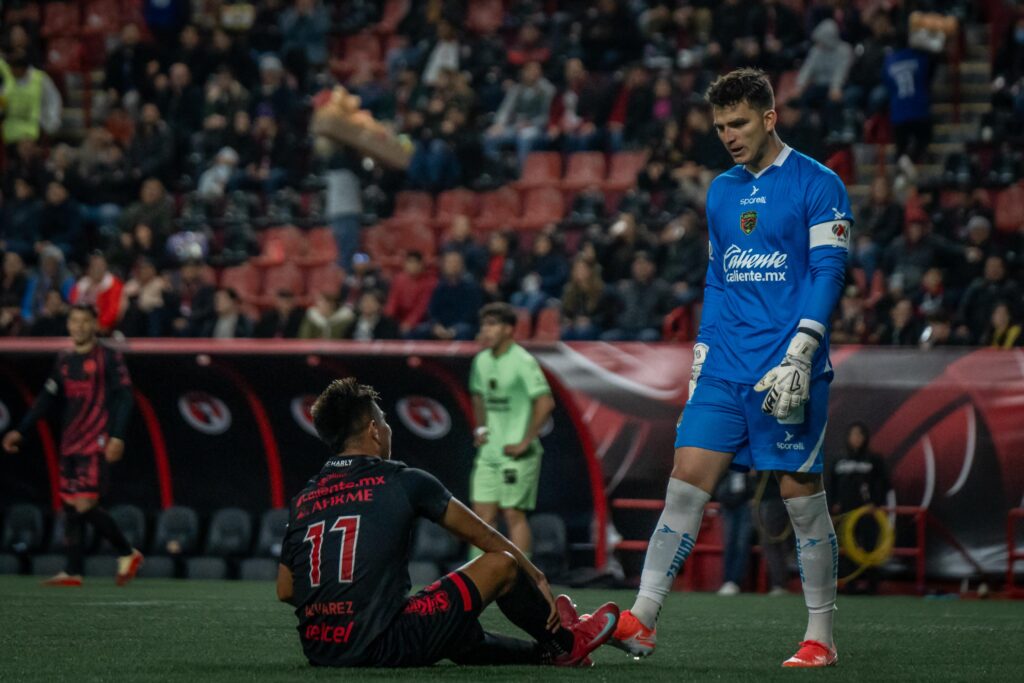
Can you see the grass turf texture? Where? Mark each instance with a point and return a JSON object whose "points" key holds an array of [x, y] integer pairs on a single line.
{"points": [[220, 631]]}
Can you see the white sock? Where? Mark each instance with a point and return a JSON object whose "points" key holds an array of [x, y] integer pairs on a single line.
{"points": [[670, 545], [817, 555]]}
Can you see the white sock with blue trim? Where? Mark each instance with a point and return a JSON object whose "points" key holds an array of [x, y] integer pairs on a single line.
{"points": [[671, 543], [817, 555]]}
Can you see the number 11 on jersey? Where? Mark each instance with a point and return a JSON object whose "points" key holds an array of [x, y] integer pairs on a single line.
{"points": [[349, 528]]}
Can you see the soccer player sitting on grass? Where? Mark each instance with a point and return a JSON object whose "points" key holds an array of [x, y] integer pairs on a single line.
{"points": [[345, 563]]}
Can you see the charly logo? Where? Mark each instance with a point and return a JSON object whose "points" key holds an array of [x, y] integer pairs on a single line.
{"points": [[5, 417], [424, 417], [748, 221], [205, 412], [747, 265], [302, 407]]}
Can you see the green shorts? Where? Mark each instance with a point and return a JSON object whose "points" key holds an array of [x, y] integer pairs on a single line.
{"points": [[510, 482]]}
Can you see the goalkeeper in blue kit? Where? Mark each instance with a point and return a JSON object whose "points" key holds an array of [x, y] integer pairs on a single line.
{"points": [[779, 226]]}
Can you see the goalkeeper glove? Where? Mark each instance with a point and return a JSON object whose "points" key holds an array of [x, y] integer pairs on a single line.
{"points": [[789, 383], [700, 353]]}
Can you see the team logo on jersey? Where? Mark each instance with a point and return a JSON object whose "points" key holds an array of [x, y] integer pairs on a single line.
{"points": [[204, 412], [89, 366], [748, 221], [302, 407], [5, 417], [424, 417], [841, 232]]}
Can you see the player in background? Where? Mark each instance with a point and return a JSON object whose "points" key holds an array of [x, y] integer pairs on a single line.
{"points": [[779, 226], [345, 563], [91, 384], [511, 403]]}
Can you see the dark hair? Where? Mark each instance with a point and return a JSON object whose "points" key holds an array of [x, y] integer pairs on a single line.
{"points": [[742, 85], [343, 409], [85, 308], [415, 255], [232, 293], [500, 311]]}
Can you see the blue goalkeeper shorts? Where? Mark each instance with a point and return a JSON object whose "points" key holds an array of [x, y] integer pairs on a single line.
{"points": [[726, 416]]}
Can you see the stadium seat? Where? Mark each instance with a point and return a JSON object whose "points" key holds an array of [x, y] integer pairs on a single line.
{"points": [[458, 202], [60, 19], [585, 169], [394, 12], [100, 565], [258, 569], [273, 524], [785, 89], [56, 544], [212, 568], [549, 325], [177, 532], [230, 533], [63, 54], [542, 169], [498, 209], [422, 573], [102, 17], [244, 279], [1009, 209], [550, 547], [326, 278], [10, 564], [388, 242], [524, 325], [48, 564], [484, 16], [279, 245], [543, 205], [157, 567], [418, 206], [319, 248], [434, 544], [285, 276], [17, 13], [132, 522], [23, 529], [623, 171]]}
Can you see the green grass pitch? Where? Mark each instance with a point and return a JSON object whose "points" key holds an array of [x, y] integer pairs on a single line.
{"points": [[201, 631]]}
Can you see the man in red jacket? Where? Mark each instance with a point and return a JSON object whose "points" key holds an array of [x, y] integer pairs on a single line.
{"points": [[410, 293], [101, 289]]}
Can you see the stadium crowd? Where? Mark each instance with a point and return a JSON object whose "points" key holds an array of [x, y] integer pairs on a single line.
{"points": [[198, 160]]}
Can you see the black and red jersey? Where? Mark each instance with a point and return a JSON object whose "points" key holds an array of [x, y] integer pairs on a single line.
{"points": [[347, 545], [94, 391]]}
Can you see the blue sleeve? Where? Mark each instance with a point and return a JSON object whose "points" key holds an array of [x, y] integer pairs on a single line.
{"points": [[27, 313], [830, 222], [713, 291]]}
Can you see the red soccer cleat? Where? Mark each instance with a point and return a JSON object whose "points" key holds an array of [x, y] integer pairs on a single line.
{"points": [[633, 637], [589, 633], [567, 614], [813, 654], [127, 567], [64, 579]]}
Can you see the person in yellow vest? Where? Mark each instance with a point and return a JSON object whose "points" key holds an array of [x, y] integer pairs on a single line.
{"points": [[32, 103]]}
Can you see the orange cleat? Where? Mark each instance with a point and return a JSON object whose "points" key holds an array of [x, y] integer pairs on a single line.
{"points": [[64, 579], [633, 637], [589, 633], [813, 654], [127, 567]]}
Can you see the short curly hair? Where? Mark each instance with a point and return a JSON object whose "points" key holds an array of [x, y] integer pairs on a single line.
{"points": [[742, 85], [344, 409]]}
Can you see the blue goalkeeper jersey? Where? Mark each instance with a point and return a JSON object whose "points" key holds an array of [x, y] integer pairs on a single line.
{"points": [[778, 246]]}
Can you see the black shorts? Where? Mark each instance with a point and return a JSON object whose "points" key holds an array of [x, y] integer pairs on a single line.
{"points": [[83, 476], [438, 622]]}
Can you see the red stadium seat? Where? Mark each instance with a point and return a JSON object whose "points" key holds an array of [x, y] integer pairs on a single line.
{"points": [[418, 206], [549, 325], [585, 169], [543, 205], [1009, 213], [786, 87], [102, 17], [523, 325], [624, 168], [498, 209], [459, 202], [245, 279], [319, 248], [60, 19], [63, 54], [387, 243], [541, 168], [325, 278], [484, 16], [394, 12], [286, 276], [279, 245]]}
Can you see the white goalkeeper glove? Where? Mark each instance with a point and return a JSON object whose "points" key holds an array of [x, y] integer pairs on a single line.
{"points": [[700, 353], [789, 383]]}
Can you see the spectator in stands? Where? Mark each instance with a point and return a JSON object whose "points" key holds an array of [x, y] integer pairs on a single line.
{"points": [[282, 320], [588, 304], [576, 117], [344, 202], [548, 263], [60, 222], [193, 300], [363, 275], [61, 164], [529, 45], [631, 105], [51, 275], [193, 53], [701, 143], [214, 181], [799, 130], [938, 331], [645, 299], [460, 239], [780, 32], [130, 69], [165, 18], [865, 94], [912, 253], [611, 37], [734, 493], [907, 75], [731, 35], [145, 226], [626, 239], [103, 183], [13, 287], [902, 328], [224, 50], [19, 220], [26, 160], [1003, 330], [224, 96], [228, 321], [304, 28], [371, 323], [452, 313], [151, 153], [823, 74], [275, 151], [180, 100], [502, 273], [33, 102], [145, 312], [275, 91], [410, 294], [852, 324], [932, 297], [523, 115], [879, 222], [683, 258], [52, 320], [102, 289], [978, 246], [445, 54], [981, 298], [326, 318]]}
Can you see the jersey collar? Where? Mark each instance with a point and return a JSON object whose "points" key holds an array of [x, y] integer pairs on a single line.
{"points": [[779, 161]]}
